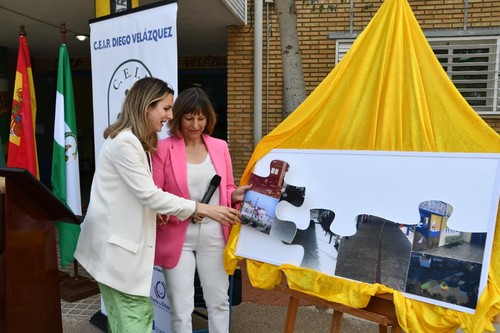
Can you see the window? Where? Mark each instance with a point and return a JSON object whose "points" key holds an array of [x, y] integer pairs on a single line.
{"points": [[472, 64]]}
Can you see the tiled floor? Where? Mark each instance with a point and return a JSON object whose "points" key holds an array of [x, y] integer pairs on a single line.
{"points": [[84, 308]]}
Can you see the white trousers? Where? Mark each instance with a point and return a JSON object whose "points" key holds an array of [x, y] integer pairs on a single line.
{"points": [[203, 250]]}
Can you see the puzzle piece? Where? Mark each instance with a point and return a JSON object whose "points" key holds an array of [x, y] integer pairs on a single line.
{"points": [[299, 215], [259, 204], [295, 195], [286, 230], [319, 242], [256, 245], [283, 230], [291, 222]]}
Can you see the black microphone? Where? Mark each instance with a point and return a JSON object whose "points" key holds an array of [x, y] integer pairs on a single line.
{"points": [[214, 183]]}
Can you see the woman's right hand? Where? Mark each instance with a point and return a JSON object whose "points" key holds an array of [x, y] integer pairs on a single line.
{"points": [[226, 216]]}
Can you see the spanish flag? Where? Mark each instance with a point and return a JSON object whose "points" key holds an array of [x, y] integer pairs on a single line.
{"points": [[22, 143], [388, 93]]}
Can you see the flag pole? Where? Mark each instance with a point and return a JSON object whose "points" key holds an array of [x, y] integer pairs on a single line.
{"points": [[62, 275], [22, 30], [63, 31], [75, 287]]}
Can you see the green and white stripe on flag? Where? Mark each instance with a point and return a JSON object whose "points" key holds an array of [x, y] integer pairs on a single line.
{"points": [[65, 167]]}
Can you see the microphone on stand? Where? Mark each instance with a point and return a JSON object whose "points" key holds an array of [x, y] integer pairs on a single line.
{"points": [[214, 184]]}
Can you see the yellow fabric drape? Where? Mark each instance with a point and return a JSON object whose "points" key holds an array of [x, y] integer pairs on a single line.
{"points": [[388, 93]]}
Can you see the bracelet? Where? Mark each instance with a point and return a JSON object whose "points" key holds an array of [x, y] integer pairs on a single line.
{"points": [[194, 213], [195, 208]]}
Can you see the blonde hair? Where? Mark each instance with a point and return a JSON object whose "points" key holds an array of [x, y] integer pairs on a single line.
{"points": [[193, 100], [144, 94]]}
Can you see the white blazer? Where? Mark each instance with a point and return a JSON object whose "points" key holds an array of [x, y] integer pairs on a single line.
{"points": [[117, 239]]}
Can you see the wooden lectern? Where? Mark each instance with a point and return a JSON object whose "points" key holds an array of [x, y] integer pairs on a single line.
{"points": [[29, 276]]}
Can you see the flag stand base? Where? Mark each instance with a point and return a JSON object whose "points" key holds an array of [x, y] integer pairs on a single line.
{"points": [[63, 275], [77, 287]]}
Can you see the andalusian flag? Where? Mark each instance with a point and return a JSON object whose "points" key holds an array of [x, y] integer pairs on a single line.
{"points": [[65, 167], [22, 143]]}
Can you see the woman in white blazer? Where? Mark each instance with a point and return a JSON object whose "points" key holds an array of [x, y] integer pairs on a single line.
{"points": [[117, 239]]}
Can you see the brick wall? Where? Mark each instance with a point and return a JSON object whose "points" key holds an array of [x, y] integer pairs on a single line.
{"points": [[318, 56], [494, 122]]}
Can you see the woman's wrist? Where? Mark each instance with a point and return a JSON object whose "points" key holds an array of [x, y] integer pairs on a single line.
{"points": [[194, 217], [195, 209], [202, 210]]}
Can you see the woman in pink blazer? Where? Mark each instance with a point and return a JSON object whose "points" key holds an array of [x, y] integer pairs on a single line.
{"points": [[184, 165]]}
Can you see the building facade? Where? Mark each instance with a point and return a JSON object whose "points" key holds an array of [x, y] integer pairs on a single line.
{"points": [[460, 32], [465, 35]]}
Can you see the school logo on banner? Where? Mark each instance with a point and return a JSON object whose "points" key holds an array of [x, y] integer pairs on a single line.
{"points": [[124, 76]]}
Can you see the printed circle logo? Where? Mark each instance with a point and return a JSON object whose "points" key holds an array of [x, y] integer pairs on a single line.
{"points": [[160, 290], [121, 81], [71, 147]]}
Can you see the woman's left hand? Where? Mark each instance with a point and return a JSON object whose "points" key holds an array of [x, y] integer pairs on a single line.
{"points": [[239, 193], [161, 219]]}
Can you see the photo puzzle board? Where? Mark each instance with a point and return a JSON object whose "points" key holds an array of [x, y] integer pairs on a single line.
{"points": [[420, 223]]}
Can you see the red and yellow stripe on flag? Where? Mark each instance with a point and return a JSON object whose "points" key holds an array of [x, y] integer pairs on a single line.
{"points": [[22, 143]]}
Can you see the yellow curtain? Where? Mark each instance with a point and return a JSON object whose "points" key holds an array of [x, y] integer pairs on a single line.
{"points": [[388, 93]]}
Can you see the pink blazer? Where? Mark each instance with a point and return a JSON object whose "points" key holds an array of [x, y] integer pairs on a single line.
{"points": [[170, 174]]}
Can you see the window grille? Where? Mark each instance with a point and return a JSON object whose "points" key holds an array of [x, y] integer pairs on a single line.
{"points": [[472, 64]]}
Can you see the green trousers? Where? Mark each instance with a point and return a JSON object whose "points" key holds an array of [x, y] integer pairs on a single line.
{"points": [[127, 313]]}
